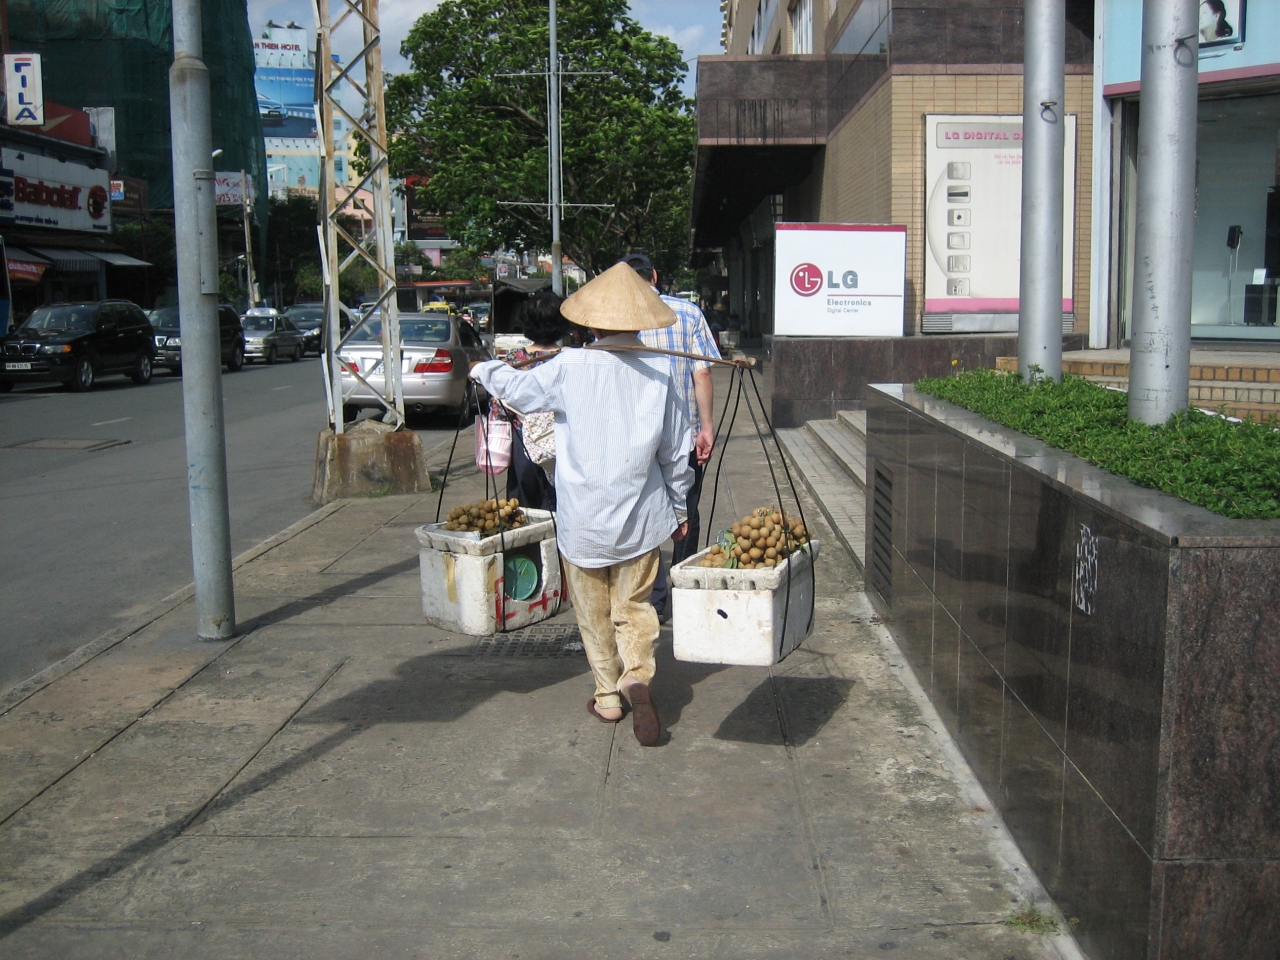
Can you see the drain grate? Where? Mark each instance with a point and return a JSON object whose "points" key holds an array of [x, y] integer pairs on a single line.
{"points": [[542, 640], [65, 443]]}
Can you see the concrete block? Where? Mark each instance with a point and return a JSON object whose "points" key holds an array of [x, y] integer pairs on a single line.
{"points": [[463, 582], [744, 617], [369, 465]]}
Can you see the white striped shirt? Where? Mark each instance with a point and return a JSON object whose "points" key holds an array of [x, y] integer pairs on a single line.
{"points": [[622, 446], [689, 334]]}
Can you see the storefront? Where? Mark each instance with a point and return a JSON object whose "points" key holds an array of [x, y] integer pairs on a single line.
{"points": [[1236, 259], [55, 218]]}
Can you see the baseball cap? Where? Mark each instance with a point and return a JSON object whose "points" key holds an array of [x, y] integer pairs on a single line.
{"points": [[639, 263]]}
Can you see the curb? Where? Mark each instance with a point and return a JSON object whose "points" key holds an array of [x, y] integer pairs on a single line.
{"points": [[94, 648]]}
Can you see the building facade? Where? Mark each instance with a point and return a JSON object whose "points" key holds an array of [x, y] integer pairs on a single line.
{"points": [[830, 125], [1236, 258]]}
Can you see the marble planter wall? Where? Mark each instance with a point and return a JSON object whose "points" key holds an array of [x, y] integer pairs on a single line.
{"points": [[814, 377], [1108, 659]]}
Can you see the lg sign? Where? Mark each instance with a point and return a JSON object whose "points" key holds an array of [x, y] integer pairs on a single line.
{"points": [[806, 280]]}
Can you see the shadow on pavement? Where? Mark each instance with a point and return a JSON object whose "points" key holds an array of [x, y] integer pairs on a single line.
{"points": [[785, 710]]}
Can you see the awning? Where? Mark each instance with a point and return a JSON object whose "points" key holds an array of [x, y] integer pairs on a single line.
{"points": [[120, 259], [25, 266], [70, 261]]}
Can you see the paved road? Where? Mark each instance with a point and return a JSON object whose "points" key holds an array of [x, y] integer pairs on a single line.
{"points": [[88, 539]]}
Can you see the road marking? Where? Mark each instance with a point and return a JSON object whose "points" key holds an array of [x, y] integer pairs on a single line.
{"points": [[290, 387], [103, 423]]}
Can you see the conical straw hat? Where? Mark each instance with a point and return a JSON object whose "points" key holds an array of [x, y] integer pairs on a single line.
{"points": [[618, 300]]}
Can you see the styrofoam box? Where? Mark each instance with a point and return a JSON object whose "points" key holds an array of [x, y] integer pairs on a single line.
{"points": [[462, 577], [741, 617]]}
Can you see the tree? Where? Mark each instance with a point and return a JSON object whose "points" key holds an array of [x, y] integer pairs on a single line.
{"points": [[291, 244], [477, 138]]}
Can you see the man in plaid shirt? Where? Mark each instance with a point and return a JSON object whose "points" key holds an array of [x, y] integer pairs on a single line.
{"points": [[689, 334]]}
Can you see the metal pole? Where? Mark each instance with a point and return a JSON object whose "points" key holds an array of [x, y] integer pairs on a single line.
{"points": [[250, 278], [553, 144], [196, 228], [1160, 344], [1043, 144]]}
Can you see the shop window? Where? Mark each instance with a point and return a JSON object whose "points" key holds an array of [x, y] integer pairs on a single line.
{"points": [[1235, 265]]}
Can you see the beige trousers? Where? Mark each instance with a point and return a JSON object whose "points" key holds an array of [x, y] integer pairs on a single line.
{"points": [[618, 623]]}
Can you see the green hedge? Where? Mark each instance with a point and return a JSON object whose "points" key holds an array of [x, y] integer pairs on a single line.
{"points": [[1230, 468]]}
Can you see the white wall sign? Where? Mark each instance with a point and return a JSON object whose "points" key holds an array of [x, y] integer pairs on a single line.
{"points": [[24, 88], [973, 214], [60, 194], [839, 280], [229, 192]]}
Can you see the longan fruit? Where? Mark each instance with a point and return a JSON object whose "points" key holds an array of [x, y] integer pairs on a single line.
{"points": [[770, 553], [756, 553]]}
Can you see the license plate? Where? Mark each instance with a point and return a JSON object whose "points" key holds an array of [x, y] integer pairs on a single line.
{"points": [[17, 366]]}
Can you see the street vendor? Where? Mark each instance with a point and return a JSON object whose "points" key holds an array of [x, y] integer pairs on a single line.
{"points": [[622, 478]]}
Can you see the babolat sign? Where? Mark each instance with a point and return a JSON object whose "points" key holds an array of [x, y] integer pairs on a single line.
{"points": [[839, 280], [48, 192]]}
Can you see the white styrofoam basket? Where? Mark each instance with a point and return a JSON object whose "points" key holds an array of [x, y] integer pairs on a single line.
{"points": [[462, 578], [741, 617]]}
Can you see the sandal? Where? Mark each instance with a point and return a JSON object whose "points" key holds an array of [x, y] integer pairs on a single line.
{"points": [[591, 709], [644, 716]]}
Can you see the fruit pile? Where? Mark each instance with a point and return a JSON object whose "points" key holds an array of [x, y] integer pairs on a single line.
{"points": [[487, 517], [764, 538]]}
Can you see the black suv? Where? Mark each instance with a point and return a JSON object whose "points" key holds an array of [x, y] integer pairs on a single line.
{"points": [[76, 343], [169, 341], [309, 319]]}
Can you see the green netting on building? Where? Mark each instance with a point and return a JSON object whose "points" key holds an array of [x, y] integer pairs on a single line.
{"points": [[117, 53]]}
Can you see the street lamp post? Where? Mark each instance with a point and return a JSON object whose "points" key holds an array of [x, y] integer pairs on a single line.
{"points": [[195, 221], [1160, 342], [1043, 146]]}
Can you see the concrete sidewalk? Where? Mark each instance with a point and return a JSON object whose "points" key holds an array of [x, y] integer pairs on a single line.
{"points": [[343, 781]]}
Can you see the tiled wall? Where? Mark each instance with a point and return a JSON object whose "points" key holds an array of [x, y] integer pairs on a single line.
{"points": [[858, 173], [918, 94], [1124, 720]]}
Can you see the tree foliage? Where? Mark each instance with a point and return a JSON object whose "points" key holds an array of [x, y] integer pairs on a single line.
{"points": [[478, 138]]}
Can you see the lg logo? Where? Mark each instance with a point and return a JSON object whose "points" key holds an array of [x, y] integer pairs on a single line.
{"points": [[806, 279]]}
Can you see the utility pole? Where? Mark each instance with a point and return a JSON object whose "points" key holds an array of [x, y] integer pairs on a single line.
{"points": [[1043, 146], [557, 163], [195, 218], [247, 217], [1160, 342]]}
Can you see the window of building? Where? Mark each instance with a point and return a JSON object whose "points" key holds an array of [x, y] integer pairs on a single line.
{"points": [[867, 30], [762, 25], [1235, 262], [802, 27]]}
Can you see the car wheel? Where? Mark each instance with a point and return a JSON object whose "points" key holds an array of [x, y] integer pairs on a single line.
{"points": [[141, 372], [237, 358], [297, 353], [270, 358], [83, 376], [350, 412], [6, 386]]}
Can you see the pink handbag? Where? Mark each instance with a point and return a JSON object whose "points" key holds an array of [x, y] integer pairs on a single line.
{"points": [[493, 443]]}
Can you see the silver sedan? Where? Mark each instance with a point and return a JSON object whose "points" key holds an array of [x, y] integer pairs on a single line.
{"points": [[436, 351], [268, 336]]}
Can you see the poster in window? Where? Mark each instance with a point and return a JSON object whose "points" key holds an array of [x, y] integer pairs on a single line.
{"points": [[1221, 22]]}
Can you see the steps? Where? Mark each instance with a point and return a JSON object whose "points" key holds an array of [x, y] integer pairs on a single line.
{"points": [[830, 458], [1246, 386]]}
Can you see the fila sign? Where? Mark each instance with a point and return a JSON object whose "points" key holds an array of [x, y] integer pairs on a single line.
{"points": [[25, 88], [839, 280]]}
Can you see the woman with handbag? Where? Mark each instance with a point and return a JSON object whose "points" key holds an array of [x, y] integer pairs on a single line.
{"points": [[533, 446]]}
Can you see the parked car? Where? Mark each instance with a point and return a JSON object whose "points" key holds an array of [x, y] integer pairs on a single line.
{"points": [[268, 336], [169, 339], [436, 353], [76, 343], [309, 319]]}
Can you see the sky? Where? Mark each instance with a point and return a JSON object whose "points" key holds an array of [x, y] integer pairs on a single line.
{"points": [[693, 24]]}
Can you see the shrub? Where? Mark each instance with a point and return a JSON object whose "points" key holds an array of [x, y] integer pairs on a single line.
{"points": [[1231, 468]]}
